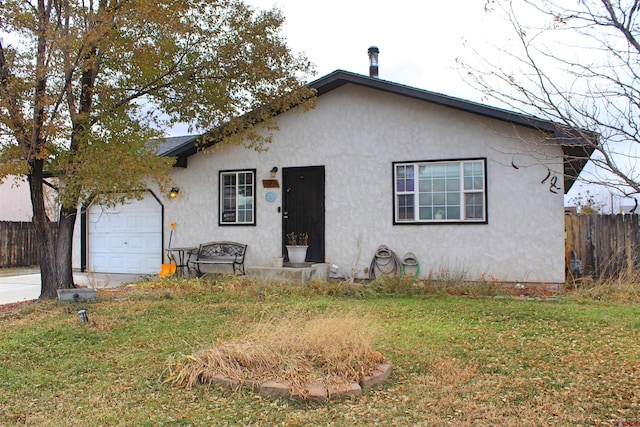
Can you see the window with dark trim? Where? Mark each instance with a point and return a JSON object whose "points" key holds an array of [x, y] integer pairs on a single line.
{"points": [[440, 191], [237, 197]]}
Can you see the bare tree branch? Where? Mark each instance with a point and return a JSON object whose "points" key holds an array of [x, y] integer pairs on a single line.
{"points": [[587, 79]]}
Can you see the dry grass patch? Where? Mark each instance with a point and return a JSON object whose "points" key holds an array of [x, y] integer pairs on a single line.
{"points": [[332, 350], [623, 288]]}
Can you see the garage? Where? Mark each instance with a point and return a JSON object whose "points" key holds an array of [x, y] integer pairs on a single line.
{"points": [[126, 238]]}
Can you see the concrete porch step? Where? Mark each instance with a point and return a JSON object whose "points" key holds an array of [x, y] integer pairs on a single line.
{"points": [[296, 274]]}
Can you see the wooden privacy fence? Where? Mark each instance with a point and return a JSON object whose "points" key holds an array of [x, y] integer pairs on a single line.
{"points": [[18, 246], [606, 245]]}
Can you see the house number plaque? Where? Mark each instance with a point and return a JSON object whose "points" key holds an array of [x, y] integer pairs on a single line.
{"points": [[270, 183]]}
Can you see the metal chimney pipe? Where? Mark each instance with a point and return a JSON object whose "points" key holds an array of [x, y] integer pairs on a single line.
{"points": [[373, 61]]}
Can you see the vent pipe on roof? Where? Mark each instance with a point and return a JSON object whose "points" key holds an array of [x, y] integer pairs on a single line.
{"points": [[373, 61]]}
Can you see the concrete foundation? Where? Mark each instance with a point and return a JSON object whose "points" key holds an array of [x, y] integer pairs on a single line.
{"points": [[298, 273], [76, 294]]}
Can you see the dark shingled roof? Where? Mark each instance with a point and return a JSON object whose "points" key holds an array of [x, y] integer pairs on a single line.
{"points": [[173, 145]]}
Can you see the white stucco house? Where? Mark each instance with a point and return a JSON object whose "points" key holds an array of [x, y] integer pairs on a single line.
{"points": [[466, 188], [15, 199], [15, 205]]}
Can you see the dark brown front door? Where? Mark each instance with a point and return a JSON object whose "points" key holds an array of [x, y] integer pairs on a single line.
{"points": [[303, 207]]}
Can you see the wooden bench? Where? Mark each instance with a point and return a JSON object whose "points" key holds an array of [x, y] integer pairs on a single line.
{"points": [[213, 253]]}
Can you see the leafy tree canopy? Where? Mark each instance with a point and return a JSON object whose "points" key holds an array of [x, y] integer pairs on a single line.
{"points": [[85, 84]]}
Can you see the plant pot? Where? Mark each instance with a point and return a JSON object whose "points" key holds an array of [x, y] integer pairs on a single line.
{"points": [[297, 254]]}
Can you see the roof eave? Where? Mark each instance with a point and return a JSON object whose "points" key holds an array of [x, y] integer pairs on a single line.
{"points": [[340, 77]]}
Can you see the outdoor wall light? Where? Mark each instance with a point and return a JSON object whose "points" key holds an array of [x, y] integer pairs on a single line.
{"points": [[274, 171], [173, 193]]}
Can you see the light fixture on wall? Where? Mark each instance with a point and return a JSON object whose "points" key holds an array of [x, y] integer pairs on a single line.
{"points": [[274, 171], [173, 193]]}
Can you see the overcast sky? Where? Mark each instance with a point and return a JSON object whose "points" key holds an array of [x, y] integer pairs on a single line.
{"points": [[419, 41]]}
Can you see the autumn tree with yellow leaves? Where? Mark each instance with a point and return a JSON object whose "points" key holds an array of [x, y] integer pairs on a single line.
{"points": [[86, 84]]}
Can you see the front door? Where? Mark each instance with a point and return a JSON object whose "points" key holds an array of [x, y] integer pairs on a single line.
{"points": [[303, 207]]}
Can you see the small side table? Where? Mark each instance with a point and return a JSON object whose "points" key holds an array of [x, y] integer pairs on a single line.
{"points": [[180, 256]]}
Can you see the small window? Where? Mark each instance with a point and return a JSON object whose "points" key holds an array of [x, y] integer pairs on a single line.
{"points": [[440, 191], [237, 197]]}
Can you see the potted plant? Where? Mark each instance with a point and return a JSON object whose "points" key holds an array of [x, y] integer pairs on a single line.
{"points": [[297, 244]]}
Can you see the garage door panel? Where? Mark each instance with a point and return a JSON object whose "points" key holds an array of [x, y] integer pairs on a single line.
{"points": [[141, 223], [104, 242], [135, 243], [98, 261], [115, 242], [152, 243], [126, 238], [114, 261]]}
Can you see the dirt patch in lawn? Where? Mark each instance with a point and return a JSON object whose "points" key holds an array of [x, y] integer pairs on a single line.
{"points": [[14, 306]]}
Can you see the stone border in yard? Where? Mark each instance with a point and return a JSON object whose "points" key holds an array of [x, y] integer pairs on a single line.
{"points": [[315, 391]]}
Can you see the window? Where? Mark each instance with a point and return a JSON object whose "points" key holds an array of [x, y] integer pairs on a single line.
{"points": [[440, 191], [237, 202]]}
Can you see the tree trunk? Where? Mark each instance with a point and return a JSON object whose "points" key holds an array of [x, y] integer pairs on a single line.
{"points": [[54, 245], [64, 248], [45, 233]]}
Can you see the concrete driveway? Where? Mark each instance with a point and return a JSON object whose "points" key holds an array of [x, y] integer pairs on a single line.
{"points": [[24, 285]]}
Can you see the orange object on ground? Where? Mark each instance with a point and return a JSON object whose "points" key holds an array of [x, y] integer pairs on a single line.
{"points": [[169, 269]]}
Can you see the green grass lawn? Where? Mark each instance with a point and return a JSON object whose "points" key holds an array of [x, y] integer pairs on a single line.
{"points": [[458, 360]]}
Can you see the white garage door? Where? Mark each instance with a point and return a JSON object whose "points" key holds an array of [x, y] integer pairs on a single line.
{"points": [[126, 238]]}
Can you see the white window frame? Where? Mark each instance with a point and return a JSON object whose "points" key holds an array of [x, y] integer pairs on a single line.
{"points": [[229, 216], [408, 211]]}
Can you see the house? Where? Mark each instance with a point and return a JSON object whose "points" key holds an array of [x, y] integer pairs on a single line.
{"points": [[465, 189], [16, 201]]}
